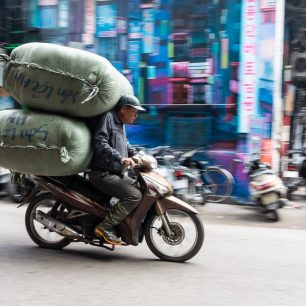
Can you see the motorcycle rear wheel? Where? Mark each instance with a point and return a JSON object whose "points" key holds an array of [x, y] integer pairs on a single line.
{"points": [[273, 215], [220, 182], [187, 240], [41, 235]]}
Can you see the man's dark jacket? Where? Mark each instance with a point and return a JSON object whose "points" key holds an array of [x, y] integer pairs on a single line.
{"points": [[110, 144]]}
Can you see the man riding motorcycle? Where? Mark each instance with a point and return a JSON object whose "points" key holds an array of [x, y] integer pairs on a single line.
{"points": [[112, 152]]}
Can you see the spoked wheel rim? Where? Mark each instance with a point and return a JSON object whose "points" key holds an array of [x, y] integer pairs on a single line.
{"points": [[38, 232], [177, 232], [186, 240], [220, 184]]}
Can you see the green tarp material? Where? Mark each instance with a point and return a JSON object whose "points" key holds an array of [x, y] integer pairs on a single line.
{"points": [[63, 80], [43, 144]]}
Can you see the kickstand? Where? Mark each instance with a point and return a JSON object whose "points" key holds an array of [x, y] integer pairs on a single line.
{"points": [[112, 248]]}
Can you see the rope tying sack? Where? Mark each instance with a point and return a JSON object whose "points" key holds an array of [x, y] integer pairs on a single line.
{"points": [[4, 58], [94, 92]]}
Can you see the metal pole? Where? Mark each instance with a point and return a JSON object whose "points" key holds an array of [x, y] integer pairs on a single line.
{"points": [[277, 90]]}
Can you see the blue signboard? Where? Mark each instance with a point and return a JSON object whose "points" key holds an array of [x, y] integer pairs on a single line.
{"points": [[135, 30], [48, 17], [106, 20], [134, 9], [63, 13], [135, 80], [133, 53]]}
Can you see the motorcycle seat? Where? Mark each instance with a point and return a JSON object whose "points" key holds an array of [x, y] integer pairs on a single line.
{"points": [[82, 185]]}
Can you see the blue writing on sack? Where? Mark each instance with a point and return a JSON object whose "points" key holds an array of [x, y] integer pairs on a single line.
{"points": [[17, 130], [44, 90]]}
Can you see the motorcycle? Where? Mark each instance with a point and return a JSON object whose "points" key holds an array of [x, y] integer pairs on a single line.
{"points": [[193, 181], [267, 189], [212, 183], [63, 210]]}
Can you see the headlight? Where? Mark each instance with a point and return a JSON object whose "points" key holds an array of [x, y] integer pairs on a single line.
{"points": [[146, 162], [154, 163]]}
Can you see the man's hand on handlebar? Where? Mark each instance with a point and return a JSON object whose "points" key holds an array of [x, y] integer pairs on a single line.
{"points": [[128, 162]]}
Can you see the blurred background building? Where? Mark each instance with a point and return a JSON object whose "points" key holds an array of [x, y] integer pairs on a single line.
{"points": [[295, 74], [227, 75]]}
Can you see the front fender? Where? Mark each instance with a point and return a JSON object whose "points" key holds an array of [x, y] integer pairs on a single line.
{"points": [[171, 202]]}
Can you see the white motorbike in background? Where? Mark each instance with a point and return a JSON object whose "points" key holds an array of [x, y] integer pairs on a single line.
{"points": [[7, 188], [267, 189]]}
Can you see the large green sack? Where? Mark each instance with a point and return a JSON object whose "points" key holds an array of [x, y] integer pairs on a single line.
{"points": [[43, 144], [63, 80]]}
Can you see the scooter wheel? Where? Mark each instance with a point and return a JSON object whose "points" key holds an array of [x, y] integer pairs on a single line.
{"points": [[273, 216], [289, 195]]}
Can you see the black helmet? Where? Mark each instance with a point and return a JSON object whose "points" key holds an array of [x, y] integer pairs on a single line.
{"points": [[131, 101]]}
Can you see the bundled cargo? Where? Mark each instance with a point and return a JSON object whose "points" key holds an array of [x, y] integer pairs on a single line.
{"points": [[43, 144], [63, 80]]}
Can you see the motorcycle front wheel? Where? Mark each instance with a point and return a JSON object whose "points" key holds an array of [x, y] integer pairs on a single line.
{"points": [[187, 235], [273, 215], [41, 235]]}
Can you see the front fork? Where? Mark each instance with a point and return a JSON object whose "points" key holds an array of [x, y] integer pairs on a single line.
{"points": [[165, 219], [170, 202], [166, 223]]}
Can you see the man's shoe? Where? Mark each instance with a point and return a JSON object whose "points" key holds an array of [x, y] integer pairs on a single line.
{"points": [[108, 235]]}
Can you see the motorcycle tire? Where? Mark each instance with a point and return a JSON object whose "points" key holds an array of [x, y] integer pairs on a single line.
{"points": [[273, 216], [156, 235], [34, 226], [290, 196], [220, 182]]}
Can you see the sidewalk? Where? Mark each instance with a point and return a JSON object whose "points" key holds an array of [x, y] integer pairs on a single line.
{"points": [[293, 215]]}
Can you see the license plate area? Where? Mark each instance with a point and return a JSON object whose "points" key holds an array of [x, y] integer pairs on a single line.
{"points": [[180, 184], [293, 174], [269, 198]]}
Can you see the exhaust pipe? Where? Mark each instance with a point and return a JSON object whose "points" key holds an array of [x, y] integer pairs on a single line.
{"points": [[57, 226]]}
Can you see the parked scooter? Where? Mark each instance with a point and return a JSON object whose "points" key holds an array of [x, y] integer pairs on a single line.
{"points": [[63, 210], [294, 175], [267, 189]]}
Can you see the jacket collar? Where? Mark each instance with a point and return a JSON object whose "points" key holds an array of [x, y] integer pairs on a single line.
{"points": [[117, 120]]}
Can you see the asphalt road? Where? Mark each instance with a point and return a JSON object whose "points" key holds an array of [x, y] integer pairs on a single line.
{"points": [[244, 261]]}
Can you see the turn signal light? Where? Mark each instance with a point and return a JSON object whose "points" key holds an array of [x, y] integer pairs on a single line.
{"points": [[292, 167], [178, 173]]}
